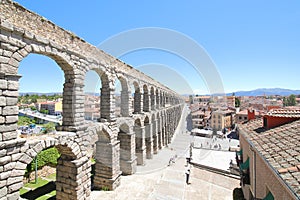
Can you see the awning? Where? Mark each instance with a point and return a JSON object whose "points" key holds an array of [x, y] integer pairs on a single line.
{"points": [[240, 152], [245, 165], [269, 196]]}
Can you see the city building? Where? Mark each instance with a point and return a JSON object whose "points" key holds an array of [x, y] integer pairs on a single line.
{"points": [[279, 117], [246, 115], [201, 115], [53, 107], [201, 119], [205, 99], [269, 156], [222, 119], [92, 107]]}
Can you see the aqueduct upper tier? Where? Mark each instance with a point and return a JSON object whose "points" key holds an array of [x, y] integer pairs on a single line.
{"points": [[118, 144]]}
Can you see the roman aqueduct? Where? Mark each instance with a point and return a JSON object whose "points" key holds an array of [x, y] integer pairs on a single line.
{"points": [[118, 144]]}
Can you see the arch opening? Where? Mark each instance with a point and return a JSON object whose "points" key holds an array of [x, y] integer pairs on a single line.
{"points": [[64, 177], [92, 85]]}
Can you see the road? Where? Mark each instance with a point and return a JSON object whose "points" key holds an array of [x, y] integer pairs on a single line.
{"points": [[157, 180]]}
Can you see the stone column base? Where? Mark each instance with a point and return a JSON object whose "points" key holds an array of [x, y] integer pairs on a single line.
{"points": [[101, 183], [141, 156], [128, 167]]}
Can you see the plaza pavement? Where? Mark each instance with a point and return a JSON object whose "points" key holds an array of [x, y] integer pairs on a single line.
{"points": [[157, 180]]}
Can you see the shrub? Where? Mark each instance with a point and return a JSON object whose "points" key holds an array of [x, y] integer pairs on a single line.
{"points": [[45, 157]]}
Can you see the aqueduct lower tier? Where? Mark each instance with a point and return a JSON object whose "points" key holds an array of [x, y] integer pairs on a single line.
{"points": [[117, 144]]}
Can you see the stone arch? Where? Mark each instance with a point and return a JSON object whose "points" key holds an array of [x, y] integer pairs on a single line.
{"points": [[154, 133], [76, 182], [167, 98], [164, 128], [140, 148], [72, 82], [148, 137], [104, 135], [107, 167], [137, 98], [127, 149], [163, 99], [107, 104], [157, 96], [146, 99], [159, 130], [98, 132], [125, 98], [152, 98]]}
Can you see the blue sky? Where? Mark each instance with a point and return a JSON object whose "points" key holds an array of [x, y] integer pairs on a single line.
{"points": [[253, 44]]}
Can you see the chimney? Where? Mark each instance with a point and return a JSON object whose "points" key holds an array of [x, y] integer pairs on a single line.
{"points": [[251, 114]]}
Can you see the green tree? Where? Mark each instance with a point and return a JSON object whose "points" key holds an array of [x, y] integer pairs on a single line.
{"points": [[49, 127], [285, 103], [34, 98], [45, 111], [24, 121], [289, 101], [237, 102], [33, 108], [292, 100], [45, 157]]}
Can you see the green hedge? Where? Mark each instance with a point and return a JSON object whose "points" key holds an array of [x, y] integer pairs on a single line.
{"points": [[45, 157]]}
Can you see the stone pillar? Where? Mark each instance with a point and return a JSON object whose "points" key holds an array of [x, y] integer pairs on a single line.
{"points": [[138, 102], [127, 153], [140, 147], [153, 102], [125, 103], [157, 101], [163, 130], [73, 101], [163, 135], [9, 85], [146, 102], [11, 168], [107, 167], [73, 178], [149, 141], [163, 101], [155, 136], [107, 103], [169, 125], [159, 134], [167, 133]]}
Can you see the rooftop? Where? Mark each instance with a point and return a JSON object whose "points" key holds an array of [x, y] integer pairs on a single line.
{"points": [[284, 113], [245, 112], [223, 112], [279, 147], [198, 112]]}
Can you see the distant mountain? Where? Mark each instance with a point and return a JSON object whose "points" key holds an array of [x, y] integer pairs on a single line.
{"points": [[40, 93], [267, 92], [256, 92]]}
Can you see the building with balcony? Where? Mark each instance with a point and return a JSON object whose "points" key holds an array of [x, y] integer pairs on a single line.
{"points": [[201, 115]]}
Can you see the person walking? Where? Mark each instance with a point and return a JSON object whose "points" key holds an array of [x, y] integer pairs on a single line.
{"points": [[187, 173]]}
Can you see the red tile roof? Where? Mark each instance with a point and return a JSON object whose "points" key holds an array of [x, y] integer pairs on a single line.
{"points": [[284, 113], [279, 146]]}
